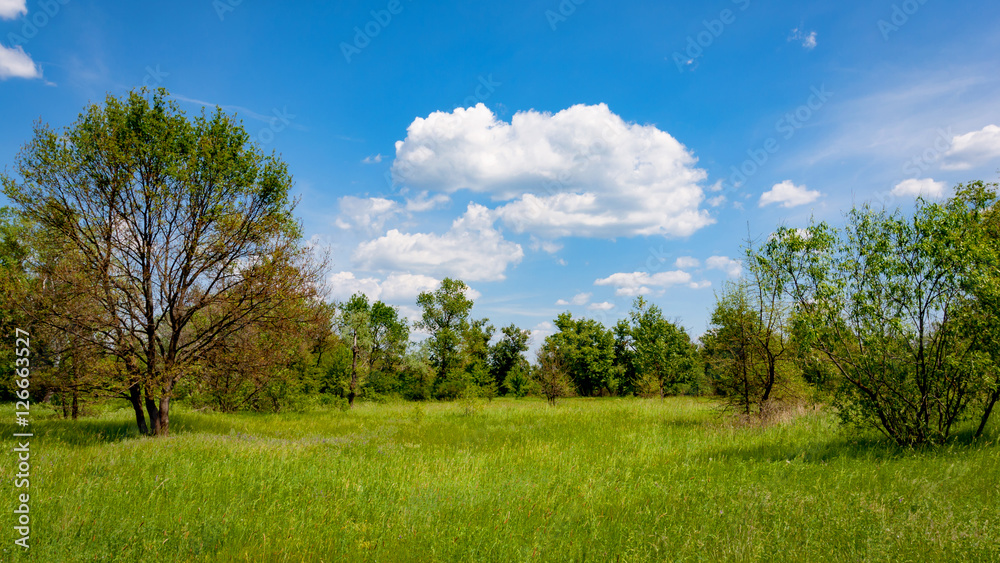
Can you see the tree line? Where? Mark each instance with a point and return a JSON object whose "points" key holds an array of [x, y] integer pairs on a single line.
{"points": [[156, 257]]}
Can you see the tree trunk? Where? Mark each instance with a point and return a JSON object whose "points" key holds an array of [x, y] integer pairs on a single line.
{"points": [[76, 391], [354, 371], [135, 398], [164, 415], [154, 415], [986, 414]]}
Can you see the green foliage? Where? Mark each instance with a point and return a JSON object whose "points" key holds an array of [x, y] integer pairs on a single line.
{"points": [[586, 350], [746, 350], [550, 374], [446, 318], [899, 305], [663, 354], [164, 236], [508, 366]]}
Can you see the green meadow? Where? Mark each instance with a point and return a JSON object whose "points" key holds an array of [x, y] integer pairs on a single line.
{"points": [[587, 480]]}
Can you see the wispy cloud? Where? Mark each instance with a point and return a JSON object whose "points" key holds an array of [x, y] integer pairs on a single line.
{"points": [[808, 39], [15, 63]]}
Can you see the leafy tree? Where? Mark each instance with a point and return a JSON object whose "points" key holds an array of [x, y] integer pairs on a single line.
{"points": [[737, 364], [587, 352], [354, 321], [625, 368], [976, 207], [664, 356], [261, 367], [550, 374], [887, 301], [507, 362], [476, 358], [390, 336], [377, 337], [446, 317], [181, 229]]}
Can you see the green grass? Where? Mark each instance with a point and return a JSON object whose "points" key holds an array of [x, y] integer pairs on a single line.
{"points": [[599, 480]]}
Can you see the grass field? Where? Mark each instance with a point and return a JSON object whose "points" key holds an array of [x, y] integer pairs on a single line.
{"points": [[597, 480]]}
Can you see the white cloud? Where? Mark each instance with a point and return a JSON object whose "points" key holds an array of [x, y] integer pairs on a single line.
{"points": [[472, 250], [367, 214], [578, 299], [373, 159], [15, 63], [808, 39], [424, 203], [700, 284], [732, 268], [788, 195], [685, 262], [717, 200], [344, 284], [583, 171], [395, 288], [11, 9], [973, 148], [406, 287], [538, 335], [925, 187], [605, 306], [643, 283], [546, 245]]}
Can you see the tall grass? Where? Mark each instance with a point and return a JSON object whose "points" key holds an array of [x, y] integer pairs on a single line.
{"points": [[600, 480]]}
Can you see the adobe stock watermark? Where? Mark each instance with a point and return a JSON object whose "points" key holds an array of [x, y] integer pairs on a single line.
{"points": [[697, 43], [280, 121], [562, 12], [901, 14], [365, 34], [922, 162], [785, 127], [917, 165], [154, 77], [223, 7], [34, 21], [484, 90], [22, 437]]}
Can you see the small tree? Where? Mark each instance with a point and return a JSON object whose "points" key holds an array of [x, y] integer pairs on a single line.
{"points": [[736, 364], [551, 376]]}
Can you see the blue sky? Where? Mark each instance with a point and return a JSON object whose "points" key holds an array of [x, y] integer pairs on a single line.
{"points": [[556, 155]]}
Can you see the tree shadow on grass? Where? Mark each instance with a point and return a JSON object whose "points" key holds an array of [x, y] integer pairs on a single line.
{"points": [[868, 447], [85, 432]]}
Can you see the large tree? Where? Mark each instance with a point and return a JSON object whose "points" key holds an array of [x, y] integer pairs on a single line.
{"points": [[181, 228]]}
